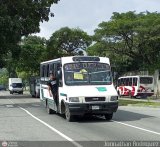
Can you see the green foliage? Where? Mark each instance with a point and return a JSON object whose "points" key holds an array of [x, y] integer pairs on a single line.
{"points": [[33, 51], [143, 103], [132, 40], [66, 41], [20, 18], [3, 76], [98, 49]]}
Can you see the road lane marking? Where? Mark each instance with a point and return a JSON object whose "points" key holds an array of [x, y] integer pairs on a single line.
{"points": [[9, 106], [139, 128], [50, 127]]}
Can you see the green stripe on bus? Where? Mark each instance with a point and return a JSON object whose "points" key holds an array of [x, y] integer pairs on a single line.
{"points": [[101, 89], [63, 94]]}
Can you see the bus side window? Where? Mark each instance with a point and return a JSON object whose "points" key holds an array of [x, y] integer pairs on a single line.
{"points": [[134, 81], [42, 73], [121, 82], [127, 82], [124, 82], [51, 67], [47, 73], [59, 74], [130, 81]]}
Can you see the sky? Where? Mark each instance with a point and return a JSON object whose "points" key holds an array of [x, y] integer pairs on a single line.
{"points": [[87, 14]]}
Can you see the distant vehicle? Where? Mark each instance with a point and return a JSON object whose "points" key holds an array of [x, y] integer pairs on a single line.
{"points": [[15, 85], [34, 84], [2, 87], [85, 86], [135, 86]]}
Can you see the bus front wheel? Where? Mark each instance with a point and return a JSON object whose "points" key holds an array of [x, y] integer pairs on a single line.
{"points": [[108, 116], [68, 115]]}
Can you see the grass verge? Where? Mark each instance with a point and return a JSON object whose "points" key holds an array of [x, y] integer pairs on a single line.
{"points": [[138, 103]]}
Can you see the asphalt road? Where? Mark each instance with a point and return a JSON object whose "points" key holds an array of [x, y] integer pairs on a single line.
{"points": [[25, 122]]}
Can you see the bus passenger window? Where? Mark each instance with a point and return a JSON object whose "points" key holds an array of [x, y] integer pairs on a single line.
{"points": [[134, 81]]}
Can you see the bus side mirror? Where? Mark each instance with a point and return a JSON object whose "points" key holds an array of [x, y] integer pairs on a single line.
{"points": [[59, 74], [59, 77]]}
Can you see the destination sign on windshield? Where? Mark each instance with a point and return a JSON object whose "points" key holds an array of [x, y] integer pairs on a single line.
{"points": [[73, 66]]}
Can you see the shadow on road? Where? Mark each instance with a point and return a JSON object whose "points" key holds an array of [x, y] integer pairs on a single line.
{"points": [[120, 115], [123, 115], [91, 119]]}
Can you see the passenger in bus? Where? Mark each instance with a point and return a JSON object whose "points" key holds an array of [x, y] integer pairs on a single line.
{"points": [[53, 88]]}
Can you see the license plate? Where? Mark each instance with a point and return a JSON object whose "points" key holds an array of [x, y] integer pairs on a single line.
{"points": [[95, 107]]}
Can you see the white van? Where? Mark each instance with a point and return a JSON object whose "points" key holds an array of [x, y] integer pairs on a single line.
{"points": [[15, 85]]}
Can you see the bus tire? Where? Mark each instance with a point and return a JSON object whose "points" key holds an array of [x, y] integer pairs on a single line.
{"points": [[108, 116], [68, 115], [119, 94]]}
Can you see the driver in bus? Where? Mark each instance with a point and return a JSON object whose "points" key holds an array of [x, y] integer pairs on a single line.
{"points": [[53, 88]]}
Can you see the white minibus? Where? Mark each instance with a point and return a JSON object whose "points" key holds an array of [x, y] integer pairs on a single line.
{"points": [[85, 86], [134, 86]]}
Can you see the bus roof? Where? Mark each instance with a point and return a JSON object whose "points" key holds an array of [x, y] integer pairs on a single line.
{"points": [[78, 59]]}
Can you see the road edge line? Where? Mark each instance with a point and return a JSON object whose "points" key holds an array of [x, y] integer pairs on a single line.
{"points": [[50, 127], [139, 128]]}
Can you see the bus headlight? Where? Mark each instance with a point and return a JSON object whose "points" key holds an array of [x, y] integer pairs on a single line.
{"points": [[74, 99], [114, 98]]}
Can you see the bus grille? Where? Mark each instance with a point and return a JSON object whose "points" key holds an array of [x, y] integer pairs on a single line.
{"points": [[95, 99]]}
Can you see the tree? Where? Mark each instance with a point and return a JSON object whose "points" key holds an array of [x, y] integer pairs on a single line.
{"points": [[132, 38], [33, 51], [20, 18], [97, 49], [3, 76], [66, 41]]}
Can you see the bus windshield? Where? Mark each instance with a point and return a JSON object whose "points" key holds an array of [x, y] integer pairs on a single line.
{"points": [[91, 73], [146, 80]]}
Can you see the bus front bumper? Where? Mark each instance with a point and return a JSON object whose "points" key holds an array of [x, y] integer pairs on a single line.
{"points": [[92, 108]]}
